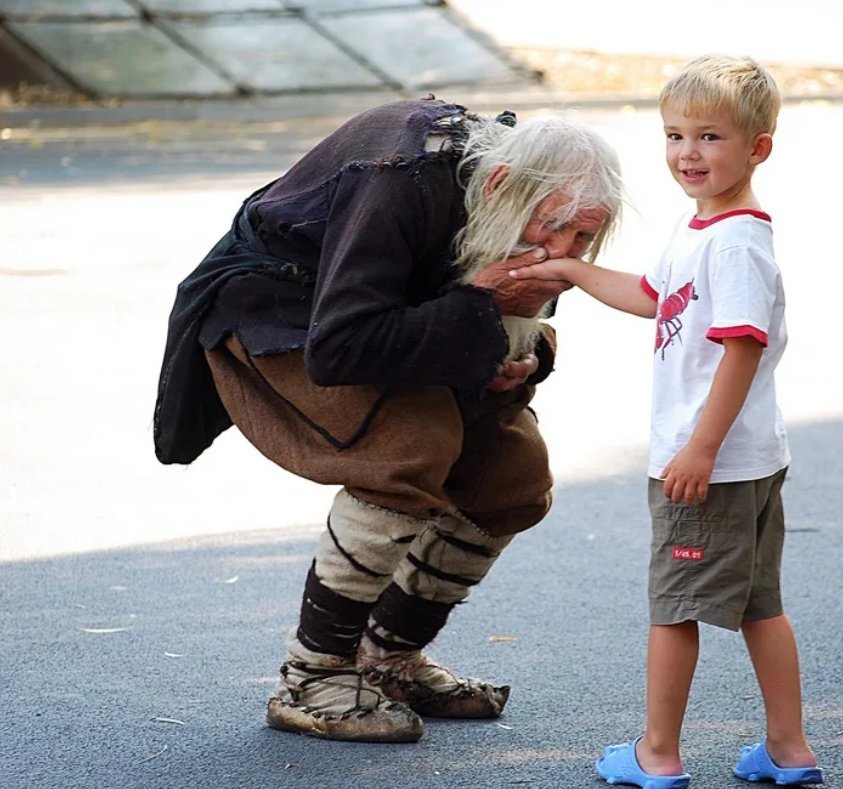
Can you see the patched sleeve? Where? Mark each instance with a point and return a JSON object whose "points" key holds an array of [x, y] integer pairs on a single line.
{"points": [[743, 283]]}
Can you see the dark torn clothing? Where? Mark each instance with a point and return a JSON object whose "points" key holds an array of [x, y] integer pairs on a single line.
{"points": [[349, 256]]}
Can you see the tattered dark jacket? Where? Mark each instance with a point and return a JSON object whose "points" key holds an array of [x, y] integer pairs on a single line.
{"points": [[349, 256]]}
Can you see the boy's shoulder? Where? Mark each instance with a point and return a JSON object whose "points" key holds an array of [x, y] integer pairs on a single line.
{"points": [[740, 228]]}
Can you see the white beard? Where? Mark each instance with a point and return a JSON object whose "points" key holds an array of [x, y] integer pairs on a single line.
{"points": [[523, 334]]}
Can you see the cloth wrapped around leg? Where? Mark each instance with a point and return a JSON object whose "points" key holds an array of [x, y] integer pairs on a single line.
{"points": [[322, 691], [443, 563]]}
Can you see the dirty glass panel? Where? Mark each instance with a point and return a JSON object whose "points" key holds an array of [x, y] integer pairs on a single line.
{"points": [[275, 54], [327, 6], [421, 48], [120, 58], [212, 6], [36, 8]]}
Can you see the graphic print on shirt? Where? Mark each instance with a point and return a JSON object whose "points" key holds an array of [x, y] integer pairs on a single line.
{"points": [[668, 322]]}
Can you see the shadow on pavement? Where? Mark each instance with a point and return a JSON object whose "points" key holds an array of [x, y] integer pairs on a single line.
{"points": [[151, 667]]}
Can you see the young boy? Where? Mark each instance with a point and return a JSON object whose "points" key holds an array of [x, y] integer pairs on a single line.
{"points": [[719, 450]]}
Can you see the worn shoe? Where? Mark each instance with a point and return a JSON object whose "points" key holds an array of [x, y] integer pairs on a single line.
{"points": [[756, 765], [619, 765], [337, 703], [431, 689]]}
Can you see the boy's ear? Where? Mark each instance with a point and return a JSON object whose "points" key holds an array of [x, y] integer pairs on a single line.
{"points": [[762, 146], [495, 179]]}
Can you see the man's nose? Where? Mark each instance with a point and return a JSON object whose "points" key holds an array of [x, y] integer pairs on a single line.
{"points": [[560, 244]]}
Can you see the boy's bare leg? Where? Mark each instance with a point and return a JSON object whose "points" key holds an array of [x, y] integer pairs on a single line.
{"points": [[671, 660], [772, 648]]}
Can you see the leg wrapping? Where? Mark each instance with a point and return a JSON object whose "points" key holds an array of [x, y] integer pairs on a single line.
{"points": [[448, 558], [363, 544], [330, 623], [404, 622]]}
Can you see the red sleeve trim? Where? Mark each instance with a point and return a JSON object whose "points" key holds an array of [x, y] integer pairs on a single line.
{"points": [[648, 289], [717, 335]]}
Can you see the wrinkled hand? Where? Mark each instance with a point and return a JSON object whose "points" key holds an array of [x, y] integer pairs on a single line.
{"points": [[514, 373], [523, 298], [686, 477]]}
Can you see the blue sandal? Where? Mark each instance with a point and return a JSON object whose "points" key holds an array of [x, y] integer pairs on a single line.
{"points": [[619, 765], [756, 765]]}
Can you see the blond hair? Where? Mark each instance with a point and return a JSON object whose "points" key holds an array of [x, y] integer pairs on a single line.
{"points": [[739, 86]]}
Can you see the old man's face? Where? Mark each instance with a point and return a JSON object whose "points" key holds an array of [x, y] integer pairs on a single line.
{"points": [[563, 239]]}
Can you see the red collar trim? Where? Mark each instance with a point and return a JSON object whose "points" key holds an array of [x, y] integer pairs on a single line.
{"points": [[701, 224]]}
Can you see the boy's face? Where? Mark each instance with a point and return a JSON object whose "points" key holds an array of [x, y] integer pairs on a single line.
{"points": [[711, 159]]}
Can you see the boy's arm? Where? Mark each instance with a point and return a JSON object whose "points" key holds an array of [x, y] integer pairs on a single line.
{"points": [[618, 289], [686, 477]]}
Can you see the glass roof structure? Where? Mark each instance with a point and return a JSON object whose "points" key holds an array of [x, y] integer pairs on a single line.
{"points": [[207, 48]]}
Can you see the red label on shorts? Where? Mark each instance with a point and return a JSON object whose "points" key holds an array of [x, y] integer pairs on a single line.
{"points": [[693, 554]]}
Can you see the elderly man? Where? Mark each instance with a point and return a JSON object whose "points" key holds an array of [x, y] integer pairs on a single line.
{"points": [[358, 325]]}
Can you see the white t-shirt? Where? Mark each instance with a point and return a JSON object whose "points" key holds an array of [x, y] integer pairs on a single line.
{"points": [[717, 278]]}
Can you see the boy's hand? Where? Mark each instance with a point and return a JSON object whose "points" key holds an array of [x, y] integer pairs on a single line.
{"points": [[686, 477], [557, 269], [619, 289]]}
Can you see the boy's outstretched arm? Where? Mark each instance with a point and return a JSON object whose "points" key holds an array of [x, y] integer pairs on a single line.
{"points": [[686, 477], [618, 289]]}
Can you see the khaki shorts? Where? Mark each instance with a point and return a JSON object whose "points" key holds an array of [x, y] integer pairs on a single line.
{"points": [[717, 562]]}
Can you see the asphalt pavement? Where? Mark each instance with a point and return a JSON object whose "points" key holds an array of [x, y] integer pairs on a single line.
{"points": [[149, 667]]}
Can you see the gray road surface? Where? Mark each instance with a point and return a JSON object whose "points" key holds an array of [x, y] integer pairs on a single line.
{"points": [[173, 698]]}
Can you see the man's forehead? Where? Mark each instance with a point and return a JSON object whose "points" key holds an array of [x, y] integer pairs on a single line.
{"points": [[594, 215], [556, 205]]}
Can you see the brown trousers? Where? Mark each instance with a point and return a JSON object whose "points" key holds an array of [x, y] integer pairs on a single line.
{"points": [[410, 449]]}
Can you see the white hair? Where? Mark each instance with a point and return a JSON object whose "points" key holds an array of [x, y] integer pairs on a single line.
{"points": [[543, 155]]}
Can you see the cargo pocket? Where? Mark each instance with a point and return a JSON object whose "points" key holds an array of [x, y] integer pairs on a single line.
{"points": [[688, 549]]}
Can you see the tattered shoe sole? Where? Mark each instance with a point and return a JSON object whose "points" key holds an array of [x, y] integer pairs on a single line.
{"points": [[472, 698], [473, 701], [393, 722]]}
